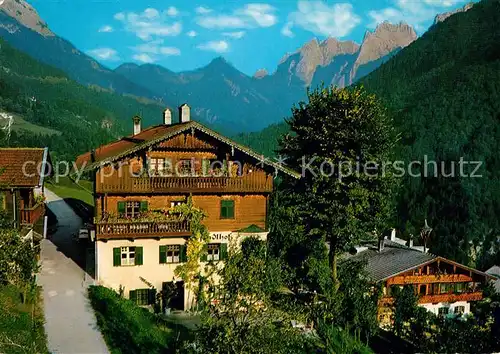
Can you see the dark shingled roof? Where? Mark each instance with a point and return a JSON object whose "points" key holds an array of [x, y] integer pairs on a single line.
{"points": [[21, 167], [392, 260]]}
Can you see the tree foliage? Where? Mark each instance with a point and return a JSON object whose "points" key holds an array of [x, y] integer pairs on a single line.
{"points": [[341, 139]]}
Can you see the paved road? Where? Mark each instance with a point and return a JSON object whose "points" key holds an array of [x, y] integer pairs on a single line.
{"points": [[70, 322]]}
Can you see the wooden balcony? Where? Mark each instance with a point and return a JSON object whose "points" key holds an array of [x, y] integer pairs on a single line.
{"points": [[140, 229], [30, 216], [432, 299], [253, 183], [428, 279]]}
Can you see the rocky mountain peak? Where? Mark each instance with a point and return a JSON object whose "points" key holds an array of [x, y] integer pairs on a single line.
{"points": [[386, 38], [333, 47], [261, 73], [444, 16], [26, 15]]}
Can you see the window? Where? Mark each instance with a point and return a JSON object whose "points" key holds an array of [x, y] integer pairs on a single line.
{"points": [[213, 253], [185, 168], [459, 310], [175, 203], [127, 256], [227, 209], [132, 209], [443, 311], [459, 287], [170, 254], [142, 297], [156, 165]]}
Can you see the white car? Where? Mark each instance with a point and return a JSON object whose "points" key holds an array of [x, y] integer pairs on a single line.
{"points": [[83, 235]]}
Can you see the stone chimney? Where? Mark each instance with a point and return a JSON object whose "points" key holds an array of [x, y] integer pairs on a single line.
{"points": [[167, 116], [137, 124], [393, 235], [184, 113], [410, 241], [381, 243]]}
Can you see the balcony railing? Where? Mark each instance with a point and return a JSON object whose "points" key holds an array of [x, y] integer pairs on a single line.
{"points": [[138, 229], [249, 183], [432, 299], [32, 215], [428, 279]]}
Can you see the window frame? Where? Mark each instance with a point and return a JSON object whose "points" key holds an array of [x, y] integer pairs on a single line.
{"points": [[443, 311], [130, 261], [142, 297], [461, 312], [224, 209], [173, 249], [133, 205], [213, 252]]}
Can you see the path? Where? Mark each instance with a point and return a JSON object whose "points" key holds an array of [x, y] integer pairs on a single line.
{"points": [[70, 321]]}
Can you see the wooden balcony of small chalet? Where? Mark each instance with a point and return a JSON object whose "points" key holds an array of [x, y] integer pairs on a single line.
{"points": [[31, 215], [116, 228], [250, 183], [429, 279]]}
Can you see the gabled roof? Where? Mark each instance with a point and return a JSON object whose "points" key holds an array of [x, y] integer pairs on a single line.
{"points": [[23, 167], [395, 259], [151, 136]]}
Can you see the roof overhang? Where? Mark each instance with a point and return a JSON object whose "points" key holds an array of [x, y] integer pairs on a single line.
{"points": [[185, 127]]}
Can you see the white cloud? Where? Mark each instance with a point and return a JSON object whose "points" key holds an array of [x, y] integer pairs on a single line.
{"points": [[148, 24], [235, 35], [172, 11], [337, 20], [262, 14], [416, 13], [144, 58], [108, 54], [287, 30], [106, 29], [249, 16], [201, 10], [192, 34], [154, 48], [120, 16], [215, 46]]}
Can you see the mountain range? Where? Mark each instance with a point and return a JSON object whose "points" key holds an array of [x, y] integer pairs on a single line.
{"points": [[218, 93]]}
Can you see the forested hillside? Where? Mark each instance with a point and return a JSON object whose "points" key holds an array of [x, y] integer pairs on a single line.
{"points": [[46, 97], [444, 92]]}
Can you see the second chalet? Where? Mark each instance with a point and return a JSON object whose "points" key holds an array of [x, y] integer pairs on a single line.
{"points": [[139, 178]]}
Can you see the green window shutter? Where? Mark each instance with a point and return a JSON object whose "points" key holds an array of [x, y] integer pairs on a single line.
{"points": [[151, 296], [138, 256], [205, 165], [121, 207], [144, 206], [223, 251], [227, 209], [183, 254], [163, 254], [132, 295], [203, 257], [117, 257]]}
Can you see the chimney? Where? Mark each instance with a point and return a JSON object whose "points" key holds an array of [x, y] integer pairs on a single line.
{"points": [[167, 117], [393, 235], [184, 113], [137, 125], [410, 241], [381, 243]]}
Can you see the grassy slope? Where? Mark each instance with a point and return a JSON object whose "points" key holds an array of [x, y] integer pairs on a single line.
{"points": [[66, 188], [21, 125], [18, 332], [128, 328], [85, 117]]}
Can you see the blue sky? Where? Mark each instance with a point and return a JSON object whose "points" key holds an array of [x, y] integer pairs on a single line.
{"points": [[184, 34]]}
